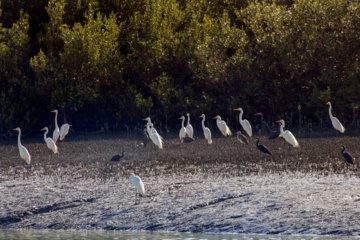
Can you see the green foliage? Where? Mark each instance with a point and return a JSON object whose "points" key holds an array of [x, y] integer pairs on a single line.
{"points": [[118, 61]]}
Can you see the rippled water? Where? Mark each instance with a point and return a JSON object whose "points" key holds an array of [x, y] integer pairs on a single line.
{"points": [[78, 235]]}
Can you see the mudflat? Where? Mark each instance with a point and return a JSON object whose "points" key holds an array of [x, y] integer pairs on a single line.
{"points": [[224, 187]]}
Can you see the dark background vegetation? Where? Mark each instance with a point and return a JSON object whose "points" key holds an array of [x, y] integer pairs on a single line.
{"points": [[108, 64]]}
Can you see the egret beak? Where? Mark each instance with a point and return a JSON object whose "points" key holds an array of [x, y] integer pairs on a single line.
{"points": [[277, 121], [179, 118], [15, 129], [256, 114], [236, 109], [52, 110], [126, 175], [42, 129], [214, 118]]}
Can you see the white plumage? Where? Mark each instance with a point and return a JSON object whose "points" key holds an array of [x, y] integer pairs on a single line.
{"points": [[154, 136], [138, 183], [24, 153], [335, 122], [56, 132], [244, 123], [189, 128], [182, 132], [49, 142], [223, 127], [207, 132], [289, 137], [64, 130]]}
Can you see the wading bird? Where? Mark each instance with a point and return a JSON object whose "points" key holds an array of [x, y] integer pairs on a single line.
{"points": [[24, 153], [145, 138], [262, 148], [223, 127], [182, 132], [346, 155], [117, 157], [49, 142], [335, 122], [189, 128], [241, 137], [150, 123], [207, 132], [56, 132], [137, 182], [244, 123], [154, 136], [187, 139], [289, 137], [64, 130], [276, 133], [264, 125]]}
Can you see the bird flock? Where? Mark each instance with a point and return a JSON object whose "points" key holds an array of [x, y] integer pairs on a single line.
{"points": [[186, 134]]}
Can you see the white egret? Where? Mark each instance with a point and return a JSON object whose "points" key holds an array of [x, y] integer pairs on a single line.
{"points": [[24, 153], [335, 122], [289, 137], [56, 133], [244, 123], [152, 128], [64, 130], [136, 180], [154, 136], [189, 128], [207, 132], [223, 127], [182, 132], [49, 142]]}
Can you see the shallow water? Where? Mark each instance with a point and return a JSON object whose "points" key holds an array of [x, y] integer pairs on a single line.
{"points": [[120, 235]]}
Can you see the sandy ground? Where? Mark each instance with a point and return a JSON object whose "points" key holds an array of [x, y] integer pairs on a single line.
{"points": [[272, 204], [226, 187]]}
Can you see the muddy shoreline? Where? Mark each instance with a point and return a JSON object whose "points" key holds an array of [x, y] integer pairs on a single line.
{"points": [[190, 188]]}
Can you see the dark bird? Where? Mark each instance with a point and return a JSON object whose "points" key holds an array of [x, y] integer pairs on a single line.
{"points": [[264, 125], [242, 138], [145, 138], [275, 134], [262, 148], [187, 139], [116, 158], [347, 155]]}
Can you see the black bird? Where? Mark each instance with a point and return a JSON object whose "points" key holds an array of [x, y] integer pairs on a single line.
{"points": [[242, 138], [264, 125], [187, 139], [116, 158], [275, 134], [347, 155], [262, 148], [145, 138]]}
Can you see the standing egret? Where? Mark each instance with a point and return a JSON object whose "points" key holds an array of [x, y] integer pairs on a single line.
{"points": [[56, 133], [117, 157], [264, 125], [64, 130], [49, 142], [289, 137], [335, 122], [262, 148], [242, 138], [207, 132], [150, 129], [154, 136], [347, 155], [189, 128], [182, 132], [244, 123], [145, 138], [24, 153], [223, 127], [137, 182]]}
